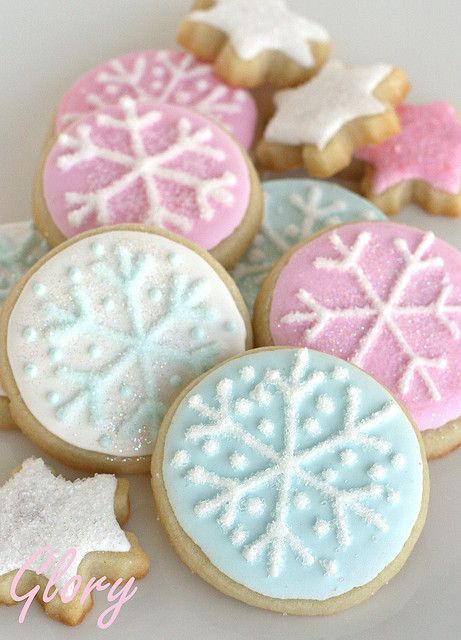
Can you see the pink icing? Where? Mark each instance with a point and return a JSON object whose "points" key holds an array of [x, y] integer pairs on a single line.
{"points": [[152, 163], [167, 76], [412, 344], [427, 148]]}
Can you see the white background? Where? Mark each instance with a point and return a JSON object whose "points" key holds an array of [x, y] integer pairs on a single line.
{"points": [[45, 45]]}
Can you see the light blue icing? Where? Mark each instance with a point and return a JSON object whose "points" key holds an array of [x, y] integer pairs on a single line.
{"points": [[294, 210], [20, 247], [296, 473]]}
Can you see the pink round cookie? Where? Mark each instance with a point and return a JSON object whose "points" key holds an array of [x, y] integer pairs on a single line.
{"points": [[168, 76], [151, 163], [386, 297], [427, 148]]}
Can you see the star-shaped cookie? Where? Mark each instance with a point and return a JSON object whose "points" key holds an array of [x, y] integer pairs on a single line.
{"points": [[320, 123], [256, 41], [39, 509], [421, 164]]}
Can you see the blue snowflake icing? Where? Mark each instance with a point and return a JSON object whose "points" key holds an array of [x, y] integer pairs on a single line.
{"points": [[294, 210], [296, 473], [20, 247], [115, 357]]}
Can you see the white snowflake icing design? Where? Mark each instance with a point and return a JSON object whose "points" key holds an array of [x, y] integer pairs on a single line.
{"points": [[153, 320], [262, 25], [39, 509], [286, 466], [383, 313], [313, 210], [140, 165], [315, 111], [167, 77]]}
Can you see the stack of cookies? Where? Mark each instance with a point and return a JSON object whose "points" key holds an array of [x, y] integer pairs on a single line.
{"points": [[293, 476]]}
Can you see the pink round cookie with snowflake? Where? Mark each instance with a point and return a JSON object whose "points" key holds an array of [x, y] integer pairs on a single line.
{"points": [[384, 296], [167, 76], [150, 163]]}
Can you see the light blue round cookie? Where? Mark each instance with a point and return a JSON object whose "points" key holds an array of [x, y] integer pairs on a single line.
{"points": [[294, 210], [20, 247], [296, 474]]}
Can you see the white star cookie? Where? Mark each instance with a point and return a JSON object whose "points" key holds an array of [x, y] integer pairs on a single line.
{"points": [[321, 122], [257, 41], [39, 509]]}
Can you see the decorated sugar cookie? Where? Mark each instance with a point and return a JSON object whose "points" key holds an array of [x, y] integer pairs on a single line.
{"points": [[387, 297], [20, 247], [43, 512], [102, 336], [255, 42], [168, 76], [291, 480], [320, 123], [152, 163], [421, 164], [294, 210]]}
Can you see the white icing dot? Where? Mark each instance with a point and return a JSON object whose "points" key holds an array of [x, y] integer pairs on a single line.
{"points": [[261, 395], [238, 461], [182, 97], [202, 85], [340, 373], [39, 289], [266, 427], [155, 295], [398, 461], [255, 506], [392, 497], [330, 567], [30, 334], [247, 374], [98, 249], [312, 426], [348, 457], [55, 354], [329, 475], [195, 401], [377, 472], [174, 259], [243, 406], [94, 350], [301, 500], [324, 404], [158, 72], [75, 275], [321, 528], [30, 370], [197, 333], [108, 304], [210, 447], [180, 459], [157, 85], [238, 536], [53, 397]]}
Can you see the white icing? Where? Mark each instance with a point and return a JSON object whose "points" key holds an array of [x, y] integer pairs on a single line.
{"points": [[315, 111], [152, 343], [254, 26], [38, 509], [382, 313]]}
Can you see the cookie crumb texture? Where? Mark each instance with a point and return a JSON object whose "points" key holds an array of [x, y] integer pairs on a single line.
{"points": [[168, 76], [387, 297], [151, 163], [107, 331], [296, 474]]}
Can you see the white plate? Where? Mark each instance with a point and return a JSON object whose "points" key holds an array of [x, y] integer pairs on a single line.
{"points": [[46, 45]]}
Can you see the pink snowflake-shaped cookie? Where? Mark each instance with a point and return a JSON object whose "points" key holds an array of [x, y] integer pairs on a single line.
{"points": [[386, 297], [151, 163], [167, 76], [421, 161]]}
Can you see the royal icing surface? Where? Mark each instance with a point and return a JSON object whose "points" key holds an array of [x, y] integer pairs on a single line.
{"points": [[39, 509], [296, 474], [295, 209], [167, 76], [427, 148], [154, 163], [260, 25], [315, 111], [388, 298], [106, 333]]}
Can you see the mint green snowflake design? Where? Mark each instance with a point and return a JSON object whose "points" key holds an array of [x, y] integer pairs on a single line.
{"points": [[19, 250], [153, 316]]}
